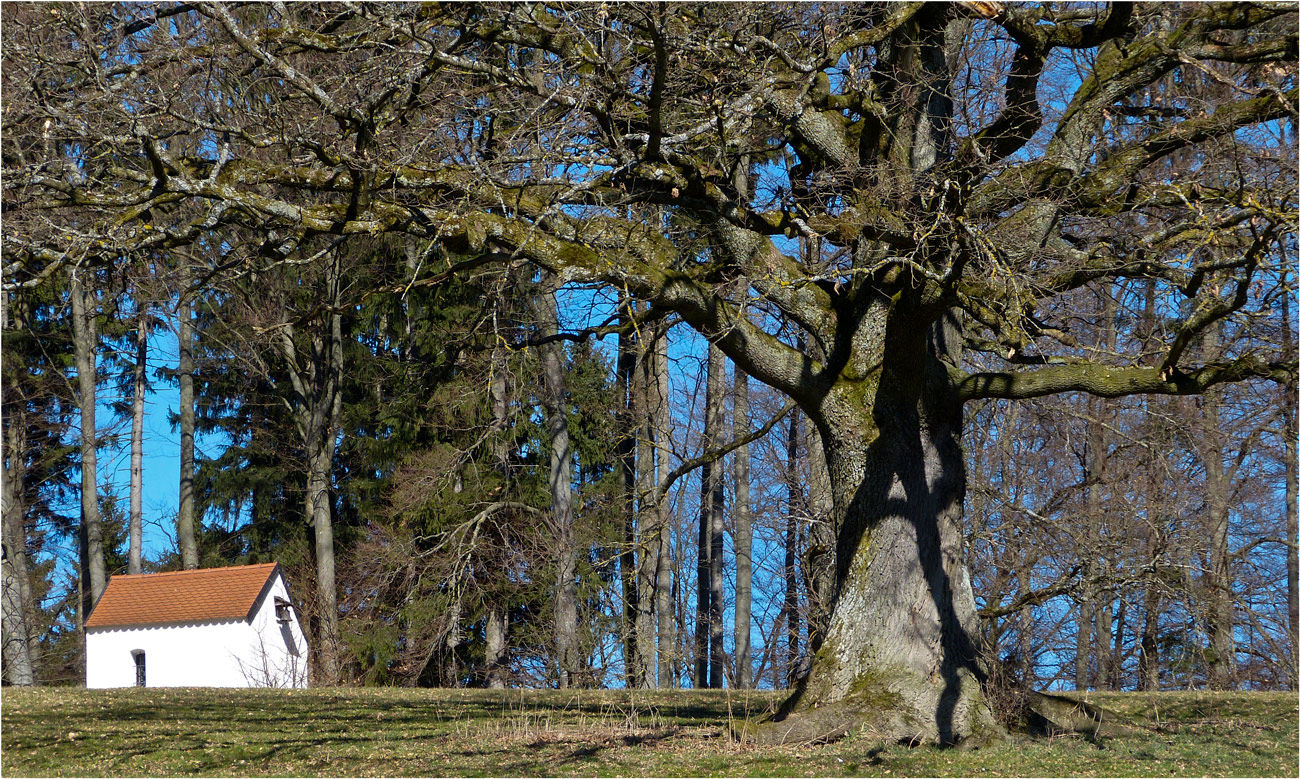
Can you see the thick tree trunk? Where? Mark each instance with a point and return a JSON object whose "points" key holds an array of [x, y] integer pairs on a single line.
{"points": [[1149, 639], [92, 531], [744, 541], [561, 484], [185, 530], [900, 659], [135, 529]]}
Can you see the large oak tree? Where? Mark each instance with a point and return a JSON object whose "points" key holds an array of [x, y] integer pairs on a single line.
{"points": [[967, 172]]}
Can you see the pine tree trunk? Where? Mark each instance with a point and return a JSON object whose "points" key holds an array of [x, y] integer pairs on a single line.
{"points": [[19, 605], [15, 586], [135, 530], [561, 484], [744, 541], [92, 532], [185, 530]]}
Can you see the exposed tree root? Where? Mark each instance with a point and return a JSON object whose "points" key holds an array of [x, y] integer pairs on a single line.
{"points": [[832, 722], [1045, 714], [1051, 714]]}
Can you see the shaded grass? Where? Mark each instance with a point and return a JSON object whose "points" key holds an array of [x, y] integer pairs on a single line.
{"points": [[405, 732]]}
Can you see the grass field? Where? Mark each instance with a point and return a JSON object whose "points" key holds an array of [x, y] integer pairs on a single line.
{"points": [[402, 732]]}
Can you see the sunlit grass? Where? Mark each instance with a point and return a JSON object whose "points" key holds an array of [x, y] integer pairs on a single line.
{"points": [[402, 732]]}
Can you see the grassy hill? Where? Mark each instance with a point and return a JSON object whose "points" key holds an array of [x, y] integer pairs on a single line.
{"points": [[396, 732]]}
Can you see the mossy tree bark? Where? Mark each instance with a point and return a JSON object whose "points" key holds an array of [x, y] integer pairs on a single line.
{"points": [[899, 659]]}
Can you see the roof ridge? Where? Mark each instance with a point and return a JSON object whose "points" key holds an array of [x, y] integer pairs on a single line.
{"points": [[192, 571]]}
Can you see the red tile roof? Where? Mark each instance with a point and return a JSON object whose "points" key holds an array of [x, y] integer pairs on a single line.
{"points": [[204, 595]]}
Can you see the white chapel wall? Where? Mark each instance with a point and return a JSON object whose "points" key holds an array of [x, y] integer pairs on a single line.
{"points": [[277, 656], [175, 655]]}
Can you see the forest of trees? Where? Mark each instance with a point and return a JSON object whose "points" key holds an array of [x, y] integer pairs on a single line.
{"points": [[896, 354]]}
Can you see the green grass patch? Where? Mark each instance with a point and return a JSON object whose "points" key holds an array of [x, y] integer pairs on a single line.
{"points": [[406, 732]]}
